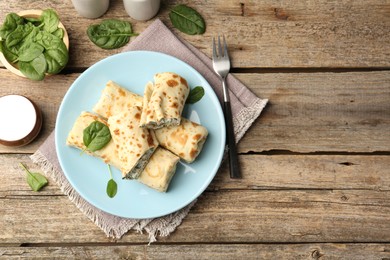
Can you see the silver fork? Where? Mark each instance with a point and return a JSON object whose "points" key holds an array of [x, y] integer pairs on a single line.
{"points": [[221, 65]]}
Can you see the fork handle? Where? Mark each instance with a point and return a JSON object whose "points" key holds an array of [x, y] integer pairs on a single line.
{"points": [[231, 142]]}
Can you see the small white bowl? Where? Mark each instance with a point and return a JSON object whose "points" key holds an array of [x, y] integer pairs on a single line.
{"points": [[22, 120], [30, 14]]}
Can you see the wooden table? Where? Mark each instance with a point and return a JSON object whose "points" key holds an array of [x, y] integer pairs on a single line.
{"points": [[315, 165]]}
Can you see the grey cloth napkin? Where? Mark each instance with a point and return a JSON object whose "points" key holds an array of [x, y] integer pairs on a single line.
{"points": [[246, 107]]}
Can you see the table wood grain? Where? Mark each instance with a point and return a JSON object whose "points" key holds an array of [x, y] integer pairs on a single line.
{"points": [[315, 165]]}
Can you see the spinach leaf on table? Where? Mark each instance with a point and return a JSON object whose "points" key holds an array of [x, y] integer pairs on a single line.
{"points": [[110, 33], [35, 180], [187, 20]]}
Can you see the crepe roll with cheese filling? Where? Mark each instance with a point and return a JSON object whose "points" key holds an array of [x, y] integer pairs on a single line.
{"points": [[135, 145], [160, 170], [114, 99], [164, 100], [185, 140], [75, 138]]}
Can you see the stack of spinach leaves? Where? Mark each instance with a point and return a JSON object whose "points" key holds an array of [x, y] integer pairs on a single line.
{"points": [[34, 45]]}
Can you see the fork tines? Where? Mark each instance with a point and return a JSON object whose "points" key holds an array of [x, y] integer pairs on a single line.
{"points": [[220, 54]]}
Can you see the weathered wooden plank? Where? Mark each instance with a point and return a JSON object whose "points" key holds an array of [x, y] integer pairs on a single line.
{"points": [[307, 112], [341, 172], [204, 251], [260, 33], [254, 217]]}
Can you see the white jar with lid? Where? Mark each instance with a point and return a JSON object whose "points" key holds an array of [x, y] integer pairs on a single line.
{"points": [[91, 8], [142, 10]]}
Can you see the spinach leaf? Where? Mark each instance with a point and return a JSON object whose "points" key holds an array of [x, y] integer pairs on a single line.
{"points": [[12, 20], [110, 33], [31, 36], [56, 53], [34, 179], [34, 21], [59, 33], [8, 54], [34, 69], [47, 40], [30, 51], [18, 35], [195, 95], [112, 187], [56, 59], [49, 20], [96, 136], [187, 20]]}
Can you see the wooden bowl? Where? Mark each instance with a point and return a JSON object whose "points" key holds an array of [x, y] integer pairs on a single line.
{"points": [[30, 14]]}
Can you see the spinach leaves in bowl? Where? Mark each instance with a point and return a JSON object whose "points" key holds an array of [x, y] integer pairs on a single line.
{"points": [[34, 43]]}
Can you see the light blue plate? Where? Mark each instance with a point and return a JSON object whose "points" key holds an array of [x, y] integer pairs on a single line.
{"points": [[89, 175]]}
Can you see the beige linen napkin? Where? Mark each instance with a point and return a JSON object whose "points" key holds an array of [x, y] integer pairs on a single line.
{"points": [[246, 107]]}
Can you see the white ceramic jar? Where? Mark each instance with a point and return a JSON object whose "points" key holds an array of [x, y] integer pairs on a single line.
{"points": [[142, 10], [91, 8]]}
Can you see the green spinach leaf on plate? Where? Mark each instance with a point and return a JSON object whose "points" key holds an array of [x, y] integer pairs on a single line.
{"points": [[96, 136], [195, 95]]}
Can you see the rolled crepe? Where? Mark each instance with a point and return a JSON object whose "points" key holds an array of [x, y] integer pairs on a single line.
{"points": [[75, 138], [185, 140], [164, 100], [160, 170], [115, 99], [135, 145]]}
